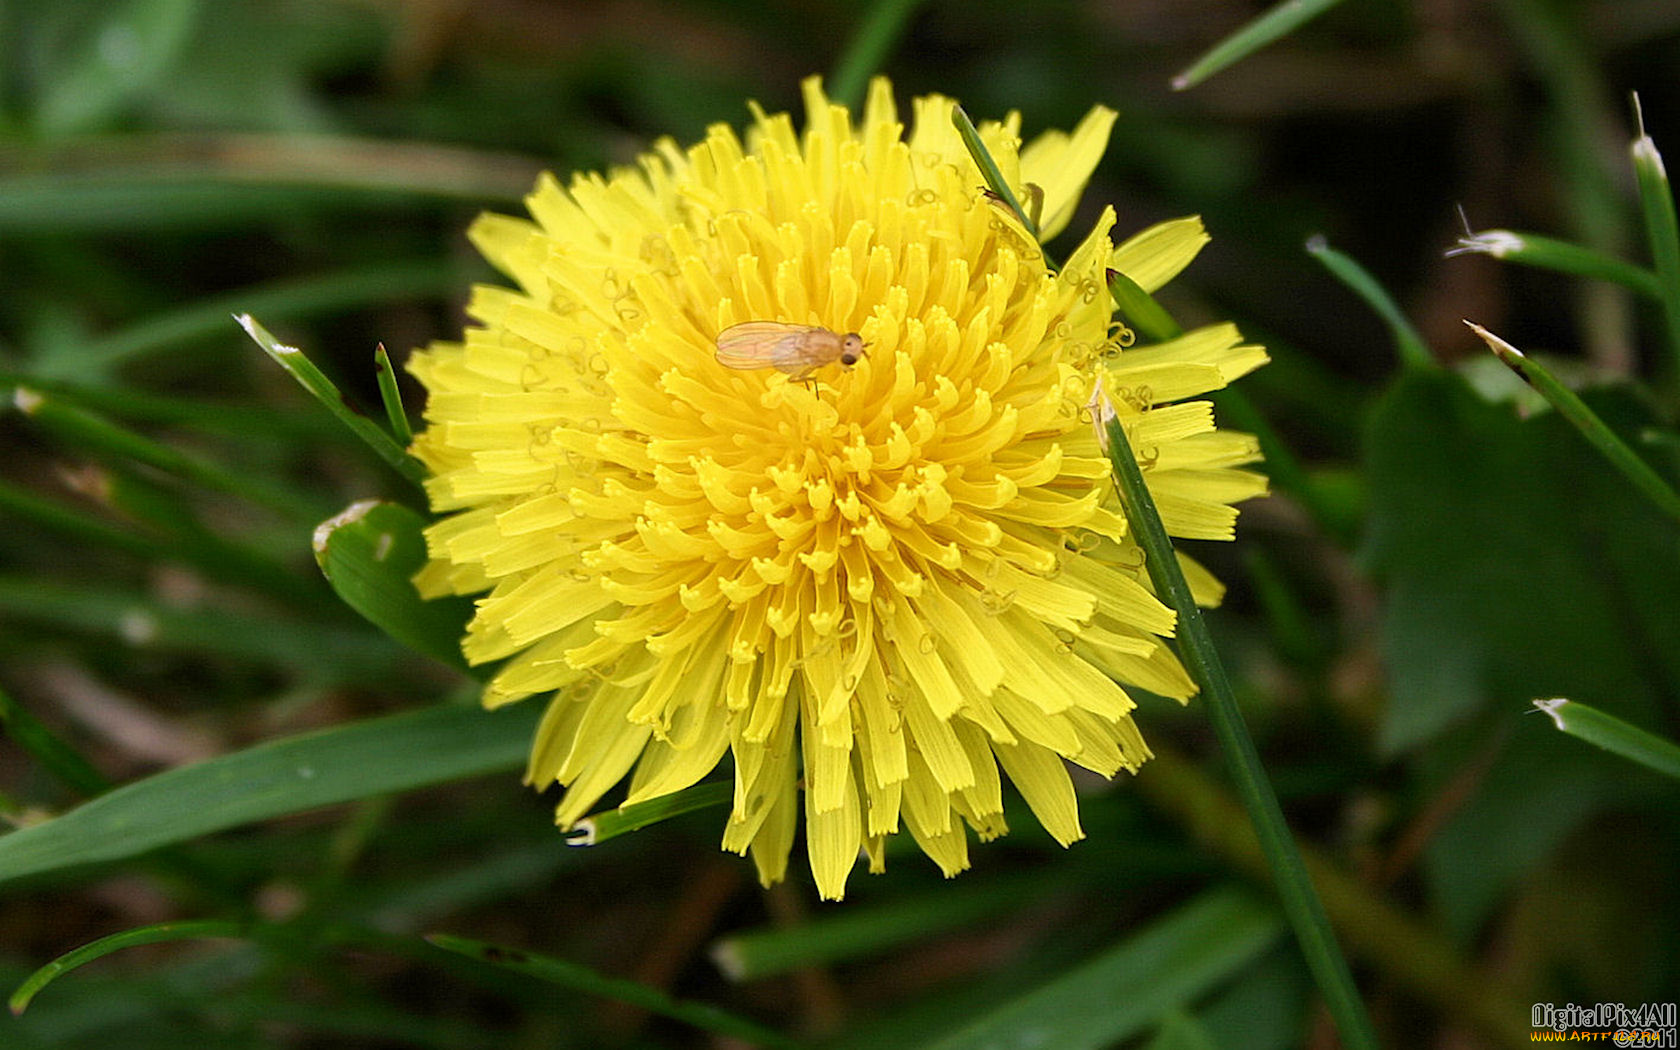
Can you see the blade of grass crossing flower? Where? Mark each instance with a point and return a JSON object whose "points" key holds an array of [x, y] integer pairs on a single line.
{"points": [[1140, 309], [1614, 735], [1137, 305], [580, 978], [1392, 943], [609, 824], [1148, 317], [392, 397], [370, 553], [1135, 984], [286, 300], [1413, 350], [1549, 253], [86, 431], [55, 756], [877, 33], [1278, 22], [1662, 230], [397, 753], [1585, 420], [156, 934], [989, 171], [315, 381], [1289, 875]]}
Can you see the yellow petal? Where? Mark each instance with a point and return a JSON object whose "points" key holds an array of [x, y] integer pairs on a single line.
{"points": [[1061, 164], [1158, 254]]}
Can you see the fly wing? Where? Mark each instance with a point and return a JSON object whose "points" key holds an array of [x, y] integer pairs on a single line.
{"points": [[762, 344]]}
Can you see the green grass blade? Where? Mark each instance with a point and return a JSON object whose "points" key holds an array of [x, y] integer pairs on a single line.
{"points": [[90, 433], [1289, 874], [55, 756], [1278, 22], [285, 300], [102, 205], [1613, 735], [874, 39], [1135, 984], [1140, 309], [609, 824], [1138, 306], [870, 929], [375, 757], [1549, 253], [131, 181], [1662, 230], [323, 389], [1585, 420], [1413, 350], [370, 553], [309, 649], [392, 397], [251, 422], [579, 978], [1180, 1031], [989, 171], [155, 934], [171, 535], [75, 525], [1402, 950]]}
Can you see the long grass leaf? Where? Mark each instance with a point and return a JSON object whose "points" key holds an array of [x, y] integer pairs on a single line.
{"points": [[1613, 735], [579, 978], [1585, 420], [155, 934], [288, 300], [1413, 350], [54, 755], [294, 775], [315, 381], [989, 171], [877, 32], [1289, 875], [609, 824], [88, 432], [395, 413], [1135, 984], [1662, 229], [1549, 253], [310, 650], [870, 929], [1277, 22], [1140, 309]]}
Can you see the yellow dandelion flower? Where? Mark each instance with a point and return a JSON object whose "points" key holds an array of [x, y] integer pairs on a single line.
{"points": [[876, 587]]}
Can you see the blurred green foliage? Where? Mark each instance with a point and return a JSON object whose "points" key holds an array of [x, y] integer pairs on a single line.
{"points": [[1443, 558]]}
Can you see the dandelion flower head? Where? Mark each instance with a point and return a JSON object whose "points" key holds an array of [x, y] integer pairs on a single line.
{"points": [[879, 591]]}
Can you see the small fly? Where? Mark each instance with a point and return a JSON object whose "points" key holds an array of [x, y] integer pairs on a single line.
{"points": [[796, 349]]}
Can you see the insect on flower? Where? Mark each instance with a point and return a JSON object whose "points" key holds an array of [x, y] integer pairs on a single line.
{"points": [[797, 349]]}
